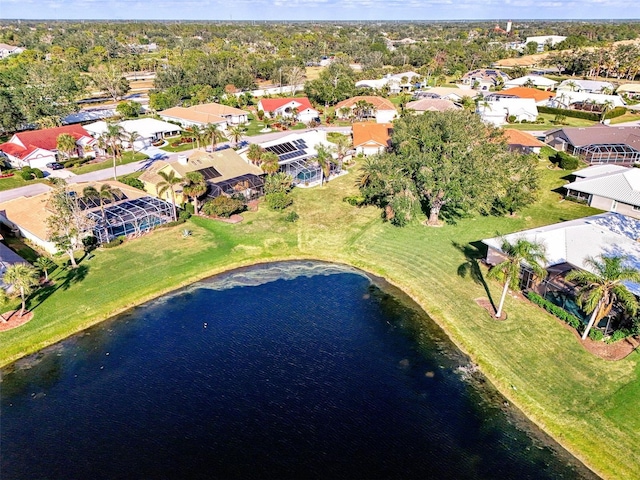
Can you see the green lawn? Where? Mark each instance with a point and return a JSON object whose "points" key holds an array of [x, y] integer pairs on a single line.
{"points": [[180, 148], [549, 124], [16, 181], [127, 157], [588, 404]]}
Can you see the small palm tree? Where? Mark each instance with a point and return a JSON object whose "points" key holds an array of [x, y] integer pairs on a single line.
{"points": [[131, 138], [606, 107], [213, 135], [45, 264], [601, 289], [114, 136], [106, 194], [169, 183], [324, 158], [66, 144], [23, 278], [194, 188], [269, 163], [533, 253], [236, 133], [255, 153]]}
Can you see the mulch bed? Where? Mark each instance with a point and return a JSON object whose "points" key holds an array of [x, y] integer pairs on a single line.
{"points": [[486, 304], [14, 320]]}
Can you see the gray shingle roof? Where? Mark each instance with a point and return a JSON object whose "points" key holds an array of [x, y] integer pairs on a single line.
{"points": [[580, 136]]}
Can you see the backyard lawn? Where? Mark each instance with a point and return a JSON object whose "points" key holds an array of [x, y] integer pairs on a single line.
{"points": [[588, 404]]}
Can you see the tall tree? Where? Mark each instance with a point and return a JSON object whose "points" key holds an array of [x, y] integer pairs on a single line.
{"points": [[67, 222], [23, 278], [213, 135], [324, 158], [508, 271], [113, 136], [194, 188], [66, 144], [603, 287], [236, 133], [110, 78], [168, 184]]}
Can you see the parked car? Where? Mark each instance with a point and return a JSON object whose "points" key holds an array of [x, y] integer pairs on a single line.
{"points": [[55, 166]]}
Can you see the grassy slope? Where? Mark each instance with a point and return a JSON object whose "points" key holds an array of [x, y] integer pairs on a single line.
{"points": [[588, 404]]}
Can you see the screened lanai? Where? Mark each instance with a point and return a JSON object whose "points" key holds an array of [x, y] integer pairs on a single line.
{"points": [[130, 218], [608, 153], [250, 186]]}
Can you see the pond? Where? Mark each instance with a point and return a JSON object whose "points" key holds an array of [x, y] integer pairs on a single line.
{"points": [[291, 370]]}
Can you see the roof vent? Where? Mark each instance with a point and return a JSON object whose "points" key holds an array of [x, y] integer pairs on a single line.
{"points": [[183, 159]]}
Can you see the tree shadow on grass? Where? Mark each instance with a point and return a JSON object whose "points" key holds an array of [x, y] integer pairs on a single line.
{"points": [[473, 252], [64, 280]]}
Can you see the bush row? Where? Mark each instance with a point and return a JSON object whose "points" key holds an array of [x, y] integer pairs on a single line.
{"points": [[76, 162], [616, 112], [555, 310]]}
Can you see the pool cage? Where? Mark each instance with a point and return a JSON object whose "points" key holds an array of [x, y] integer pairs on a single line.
{"points": [[603, 153], [249, 186], [305, 171], [130, 218]]}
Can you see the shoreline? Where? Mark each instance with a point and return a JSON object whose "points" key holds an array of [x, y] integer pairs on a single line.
{"points": [[377, 279]]}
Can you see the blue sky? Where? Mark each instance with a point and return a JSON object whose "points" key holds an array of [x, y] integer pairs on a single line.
{"points": [[319, 9]]}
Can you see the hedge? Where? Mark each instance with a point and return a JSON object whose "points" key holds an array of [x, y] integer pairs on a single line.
{"points": [[616, 112], [555, 310]]}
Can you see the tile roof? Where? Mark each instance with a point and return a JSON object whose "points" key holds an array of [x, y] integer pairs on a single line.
{"points": [[26, 142], [524, 139], [367, 132], [526, 92], [191, 115], [432, 105], [217, 109], [272, 104], [378, 102]]}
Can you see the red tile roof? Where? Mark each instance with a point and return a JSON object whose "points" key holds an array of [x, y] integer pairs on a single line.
{"points": [[366, 132], [46, 139], [378, 102], [524, 139], [526, 92], [271, 104]]}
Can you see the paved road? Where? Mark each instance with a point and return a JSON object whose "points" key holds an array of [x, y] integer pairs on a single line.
{"points": [[154, 155]]}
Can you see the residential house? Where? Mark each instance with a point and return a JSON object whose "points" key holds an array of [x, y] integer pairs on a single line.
{"points": [[36, 148], [541, 97], [455, 94], [522, 141], [296, 153], [569, 244], [298, 107], [498, 112], [485, 78], [371, 138], [7, 50], [226, 173], [598, 143], [148, 129], [631, 90], [536, 81], [208, 113], [382, 110], [545, 40], [585, 100], [615, 191], [432, 105], [396, 83], [586, 86]]}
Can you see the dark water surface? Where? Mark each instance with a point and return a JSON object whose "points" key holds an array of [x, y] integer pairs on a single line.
{"points": [[297, 370]]}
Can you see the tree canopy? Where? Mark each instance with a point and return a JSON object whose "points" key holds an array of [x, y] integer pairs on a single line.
{"points": [[450, 164]]}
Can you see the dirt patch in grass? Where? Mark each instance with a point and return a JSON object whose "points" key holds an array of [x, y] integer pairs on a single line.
{"points": [[14, 320], [486, 304]]}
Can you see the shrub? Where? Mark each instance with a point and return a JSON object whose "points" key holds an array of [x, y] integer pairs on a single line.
{"points": [[555, 310], [28, 173], [355, 200], [114, 243], [566, 161], [278, 200], [89, 243], [186, 214], [223, 206], [596, 335], [511, 119], [291, 217], [619, 335], [133, 182], [564, 112], [277, 182]]}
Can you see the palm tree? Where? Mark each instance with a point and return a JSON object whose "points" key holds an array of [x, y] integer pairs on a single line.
{"points": [[269, 163], [213, 134], [325, 160], [131, 138], [113, 136], [45, 264], [168, 183], [523, 250], [235, 133], [255, 153], [66, 144], [342, 145], [606, 107], [601, 289], [344, 112], [22, 277], [194, 188], [106, 194]]}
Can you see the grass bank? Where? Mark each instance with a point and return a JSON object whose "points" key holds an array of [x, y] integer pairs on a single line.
{"points": [[588, 404]]}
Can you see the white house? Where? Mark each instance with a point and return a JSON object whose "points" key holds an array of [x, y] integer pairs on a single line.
{"points": [[536, 81], [566, 98], [7, 50], [148, 129], [36, 148], [382, 110], [398, 82], [542, 40], [286, 107], [586, 86], [497, 112]]}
